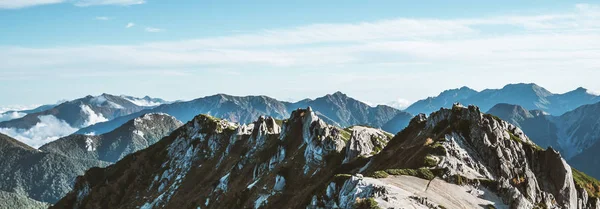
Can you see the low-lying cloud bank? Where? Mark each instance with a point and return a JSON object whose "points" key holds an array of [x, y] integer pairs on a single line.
{"points": [[10, 115], [47, 130]]}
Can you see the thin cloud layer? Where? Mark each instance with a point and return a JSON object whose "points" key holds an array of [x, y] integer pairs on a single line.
{"points": [[85, 3], [398, 53], [153, 30], [19, 4], [572, 37]]}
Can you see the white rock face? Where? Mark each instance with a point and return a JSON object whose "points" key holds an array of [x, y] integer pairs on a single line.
{"points": [[496, 150], [320, 139], [408, 192], [365, 142]]}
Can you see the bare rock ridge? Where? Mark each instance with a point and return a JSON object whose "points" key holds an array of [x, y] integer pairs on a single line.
{"points": [[576, 134], [455, 158]]}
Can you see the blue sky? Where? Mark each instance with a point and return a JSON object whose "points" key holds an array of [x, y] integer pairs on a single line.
{"points": [[376, 51]]}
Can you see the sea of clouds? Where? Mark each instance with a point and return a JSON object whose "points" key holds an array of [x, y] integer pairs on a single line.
{"points": [[48, 129]]}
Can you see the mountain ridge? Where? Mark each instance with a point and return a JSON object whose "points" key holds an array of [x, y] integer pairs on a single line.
{"points": [[48, 173], [529, 95], [337, 108], [213, 163]]}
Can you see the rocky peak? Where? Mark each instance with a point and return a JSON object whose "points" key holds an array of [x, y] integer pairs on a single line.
{"points": [[458, 93], [149, 118], [365, 142], [467, 144], [319, 138]]}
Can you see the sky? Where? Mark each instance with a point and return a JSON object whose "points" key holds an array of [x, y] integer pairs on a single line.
{"points": [[375, 51]]}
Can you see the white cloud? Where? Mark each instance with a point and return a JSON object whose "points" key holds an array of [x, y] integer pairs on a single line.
{"points": [[592, 92], [10, 115], [18, 4], [103, 18], [400, 104], [85, 3], [48, 129], [129, 25], [93, 117], [153, 30], [574, 36], [17, 108]]}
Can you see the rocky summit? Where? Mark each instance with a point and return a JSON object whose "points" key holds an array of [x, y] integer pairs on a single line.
{"points": [[454, 158]]}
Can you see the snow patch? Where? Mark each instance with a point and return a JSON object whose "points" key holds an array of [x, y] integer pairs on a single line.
{"points": [[252, 184], [114, 105], [261, 200], [92, 117], [223, 183], [48, 129], [139, 133], [277, 158], [89, 145], [279, 183], [98, 101]]}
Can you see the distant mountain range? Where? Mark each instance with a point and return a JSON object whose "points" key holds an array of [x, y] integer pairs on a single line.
{"points": [[576, 134], [14, 114], [45, 175], [529, 96], [104, 113], [81, 112], [336, 108], [49, 122]]}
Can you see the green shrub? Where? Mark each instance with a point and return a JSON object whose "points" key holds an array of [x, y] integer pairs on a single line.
{"points": [[590, 184], [430, 161], [421, 173], [345, 134], [379, 174], [368, 203]]}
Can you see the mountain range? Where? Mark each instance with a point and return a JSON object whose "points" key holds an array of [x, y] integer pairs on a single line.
{"points": [[329, 152], [529, 96], [455, 158], [49, 122], [46, 174], [336, 108]]}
